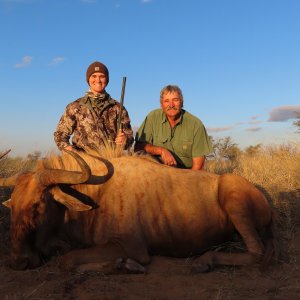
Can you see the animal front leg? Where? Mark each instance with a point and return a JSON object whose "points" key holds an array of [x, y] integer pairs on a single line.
{"points": [[97, 254], [120, 265], [107, 259]]}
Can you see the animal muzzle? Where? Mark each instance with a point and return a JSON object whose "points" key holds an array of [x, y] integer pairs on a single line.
{"points": [[23, 256]]}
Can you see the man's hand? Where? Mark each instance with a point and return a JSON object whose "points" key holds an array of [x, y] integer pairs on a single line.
{"points": [[167, 158], [121, 138]]}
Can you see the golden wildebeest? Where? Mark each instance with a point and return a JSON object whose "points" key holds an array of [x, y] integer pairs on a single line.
{"points": [[139, 206]]}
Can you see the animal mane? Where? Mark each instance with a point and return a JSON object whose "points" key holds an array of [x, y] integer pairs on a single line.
{"points": [[65, 161]]}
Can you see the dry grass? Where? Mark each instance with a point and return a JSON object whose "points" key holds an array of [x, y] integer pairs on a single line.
{"points": [[276, 171], [108, 151], [9, 166]]}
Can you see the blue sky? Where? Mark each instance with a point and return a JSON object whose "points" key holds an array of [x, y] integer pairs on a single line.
{"points": [[236, 61]]}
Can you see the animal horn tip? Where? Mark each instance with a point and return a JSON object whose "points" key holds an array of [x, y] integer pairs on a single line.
{"points": [[7, 203]]}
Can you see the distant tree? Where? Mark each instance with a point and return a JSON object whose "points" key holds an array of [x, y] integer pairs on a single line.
{"points": [[225, 148], [297, 123], [252, 150], [35, 155]]}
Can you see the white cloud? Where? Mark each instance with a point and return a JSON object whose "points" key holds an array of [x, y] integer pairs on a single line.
{"points": [[284, 113], [253, 129], [146, 1], [26, 61], [57, 60], [219, 129], [254, 117], [255, 122]]}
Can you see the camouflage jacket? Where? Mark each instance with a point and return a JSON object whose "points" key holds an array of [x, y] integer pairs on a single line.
{"points": [[91, 126]]}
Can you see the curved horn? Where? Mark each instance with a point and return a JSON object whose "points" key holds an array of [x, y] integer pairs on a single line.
{"points": [[53, 176], [3, 154]]}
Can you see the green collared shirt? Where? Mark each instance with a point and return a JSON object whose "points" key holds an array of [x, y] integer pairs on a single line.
{"points": [[186, 140]]}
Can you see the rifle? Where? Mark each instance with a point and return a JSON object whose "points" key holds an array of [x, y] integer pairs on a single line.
{"points": [[119, 125], [3, 154]]}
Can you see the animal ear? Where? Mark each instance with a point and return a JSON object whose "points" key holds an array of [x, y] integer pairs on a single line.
{"points": [[7, 203], [41, 165], [69, 201]]}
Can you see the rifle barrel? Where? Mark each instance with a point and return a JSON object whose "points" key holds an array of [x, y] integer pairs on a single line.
{"points": [[119, 125]]}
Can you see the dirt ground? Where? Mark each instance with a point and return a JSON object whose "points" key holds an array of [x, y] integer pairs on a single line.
{"points": [[165, 279]]}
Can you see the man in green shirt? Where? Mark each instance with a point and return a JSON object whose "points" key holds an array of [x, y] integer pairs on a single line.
{"points": [[173, 135]]}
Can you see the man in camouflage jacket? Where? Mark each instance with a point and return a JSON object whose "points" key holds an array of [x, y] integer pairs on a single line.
{"points": [[92, 119]]}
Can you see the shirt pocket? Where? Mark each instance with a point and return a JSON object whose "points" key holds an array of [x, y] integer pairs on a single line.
{"points": [[185, 148], [160, 141]]}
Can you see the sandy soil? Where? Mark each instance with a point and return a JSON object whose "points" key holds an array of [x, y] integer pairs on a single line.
{"points": [[165, 279]]}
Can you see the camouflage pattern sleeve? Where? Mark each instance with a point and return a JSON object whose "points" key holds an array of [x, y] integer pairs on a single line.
{"points": [[125, 120], [65, 127]]}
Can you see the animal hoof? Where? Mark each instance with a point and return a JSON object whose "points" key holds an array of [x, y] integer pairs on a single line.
{"points": [[119, 263], [134, 267], [129, 266], [201, 269]]}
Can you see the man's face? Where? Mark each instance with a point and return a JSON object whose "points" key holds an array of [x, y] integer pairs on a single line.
{"points": [[171, 104], [97, 82]]}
